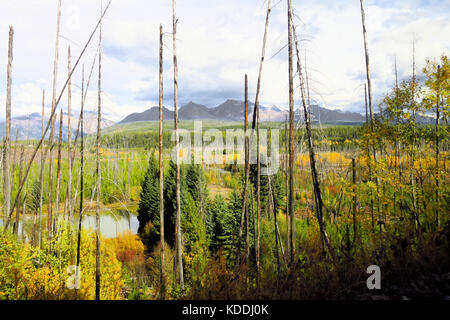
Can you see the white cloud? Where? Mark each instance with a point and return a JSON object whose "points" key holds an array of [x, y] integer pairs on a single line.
{"points": [[218, 42]]}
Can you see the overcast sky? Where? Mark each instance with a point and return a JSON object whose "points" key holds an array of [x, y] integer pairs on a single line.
{"points": [[218, 42]]}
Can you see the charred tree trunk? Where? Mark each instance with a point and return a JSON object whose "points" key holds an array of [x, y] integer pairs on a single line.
{"points": [[161, 168]]}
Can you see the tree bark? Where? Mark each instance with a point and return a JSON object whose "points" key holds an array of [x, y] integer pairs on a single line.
{"points": [[161, 167], [41, 173], [16, 225], [366, 49], [246, 174], [99, 171], [178, 205], [355, 225], [291, 138], [58, 173], [6, 167], [80, 219], [52, 130], [69, 139], [436, 129]]}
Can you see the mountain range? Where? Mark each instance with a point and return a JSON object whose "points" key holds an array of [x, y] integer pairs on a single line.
{"points": [[29, 126], [233, 110]]}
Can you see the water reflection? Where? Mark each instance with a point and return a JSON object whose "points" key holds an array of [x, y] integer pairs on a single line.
{"points": [[112, 222]]}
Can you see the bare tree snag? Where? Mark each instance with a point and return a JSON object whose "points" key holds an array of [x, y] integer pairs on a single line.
{"points": [[291, 139], [52, 113], [16, 224], [161, 167], [6, 167], [99, 171], [175, 104], [52, 130], [58, 173], [80, 218], [69, 138], [314, 174]]}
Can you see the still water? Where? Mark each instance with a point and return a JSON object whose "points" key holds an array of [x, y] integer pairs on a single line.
{"points": [[112, 222]]}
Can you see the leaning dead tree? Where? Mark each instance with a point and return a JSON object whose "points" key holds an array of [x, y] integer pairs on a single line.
{"points": [[161, 168], [369, 94], [52, 113], [175, 105], [312, 159], [6, 169], [247, 169], [246, 174], [99, 170]]}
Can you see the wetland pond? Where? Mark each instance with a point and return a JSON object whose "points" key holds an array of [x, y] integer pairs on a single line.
{"points": [[112, 222]]}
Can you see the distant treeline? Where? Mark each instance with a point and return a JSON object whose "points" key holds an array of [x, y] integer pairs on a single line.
{"points": [[337, 137]]}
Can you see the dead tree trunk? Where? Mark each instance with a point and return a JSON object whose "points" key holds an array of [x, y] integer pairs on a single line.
{"points": [[80, 218], [41, 173], [58, 173], [369, 83], [52, 130], [6, 167], [291, 138], [175, 104], [52, 113], [161, 168], [314, 174], [16, 224], [355, 226], [286, 179], [369, 90], [412, 178], [436, 129], [246, 172], [99, 175], [69, 138], [254, 124]]}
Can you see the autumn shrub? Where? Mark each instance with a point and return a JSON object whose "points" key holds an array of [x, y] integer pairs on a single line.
{"points": [[27, 273]]}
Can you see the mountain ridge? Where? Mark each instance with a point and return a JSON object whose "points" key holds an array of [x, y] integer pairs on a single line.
{"points": [[233, 110]]}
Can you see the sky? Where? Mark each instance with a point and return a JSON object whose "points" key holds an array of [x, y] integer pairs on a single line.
{"points": [[218, 42]]}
